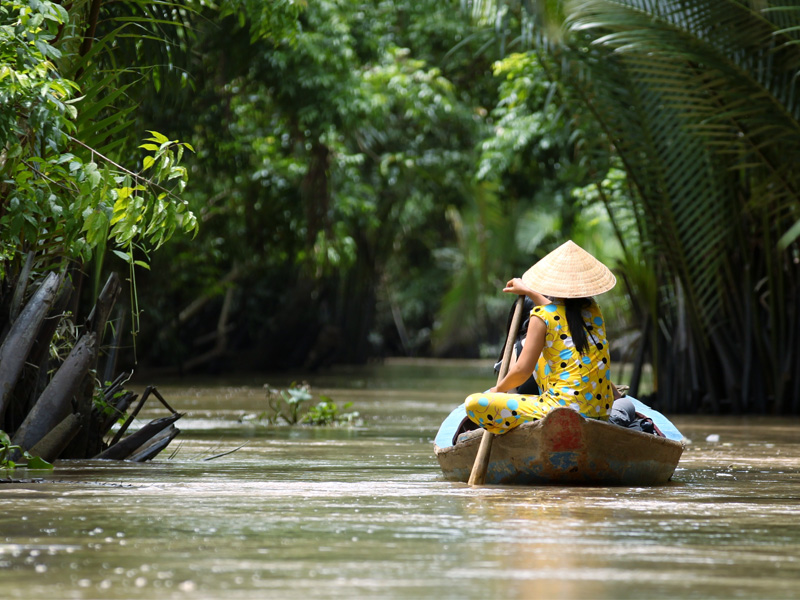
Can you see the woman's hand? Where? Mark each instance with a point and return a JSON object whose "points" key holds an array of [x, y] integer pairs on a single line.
{"points": [[520, 288], [517, 287]]}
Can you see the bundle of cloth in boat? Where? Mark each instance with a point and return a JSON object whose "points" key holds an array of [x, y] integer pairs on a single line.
{"points": [[559, 285], [623, 413]]}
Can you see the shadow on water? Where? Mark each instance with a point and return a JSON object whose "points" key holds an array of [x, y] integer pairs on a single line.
{"points": [[363, 512]]}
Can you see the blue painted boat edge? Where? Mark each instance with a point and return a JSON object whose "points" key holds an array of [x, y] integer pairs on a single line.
{"points": [[663, 423], [448, 428]]}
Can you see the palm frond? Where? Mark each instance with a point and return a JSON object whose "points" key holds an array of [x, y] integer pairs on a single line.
{"points": [[702, 102]]}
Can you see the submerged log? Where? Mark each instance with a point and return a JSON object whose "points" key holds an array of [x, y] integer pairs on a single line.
{"points": [[19, 341], [157, 440], [103, 420], [55, 403], [156, 444], [124, 448], [52, 445]]}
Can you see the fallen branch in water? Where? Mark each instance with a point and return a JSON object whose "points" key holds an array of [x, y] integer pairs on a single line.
{"points": [[225, 453]]}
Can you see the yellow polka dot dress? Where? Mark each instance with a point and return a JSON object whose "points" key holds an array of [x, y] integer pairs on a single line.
{"points": [[565, 377]]}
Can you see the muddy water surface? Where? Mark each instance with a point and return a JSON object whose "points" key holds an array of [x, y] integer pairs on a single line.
{"points": [[363, 512]]}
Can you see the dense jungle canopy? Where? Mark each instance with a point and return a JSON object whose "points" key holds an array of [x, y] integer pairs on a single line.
{"points": [[295, 184]]}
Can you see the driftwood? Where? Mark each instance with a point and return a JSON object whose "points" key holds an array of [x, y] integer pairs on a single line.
{"points": [[116, 385], [124, 448], [226, 453], [97, 319], [19, 341], [155, 437], [57, 417], [103, 419], [158, 395]]}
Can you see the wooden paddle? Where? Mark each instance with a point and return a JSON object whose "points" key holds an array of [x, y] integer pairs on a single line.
{"points": [[478, 475]]}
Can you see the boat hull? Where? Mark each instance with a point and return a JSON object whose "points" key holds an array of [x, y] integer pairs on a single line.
{"points": [[565, 448]]}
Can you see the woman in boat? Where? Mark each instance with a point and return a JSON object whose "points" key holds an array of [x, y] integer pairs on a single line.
{"points": [[565, 348]]}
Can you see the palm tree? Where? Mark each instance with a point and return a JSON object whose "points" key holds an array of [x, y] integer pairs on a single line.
{"points": [[700, 100]]}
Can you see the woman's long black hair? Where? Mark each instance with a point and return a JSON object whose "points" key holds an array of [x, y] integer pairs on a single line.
{"points": [[577, 326]]}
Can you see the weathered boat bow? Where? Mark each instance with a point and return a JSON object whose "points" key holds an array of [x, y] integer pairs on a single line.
{"points": [[562, 448]]}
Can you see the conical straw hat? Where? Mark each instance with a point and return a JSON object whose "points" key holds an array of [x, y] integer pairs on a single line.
{"points": [[569, 271]]}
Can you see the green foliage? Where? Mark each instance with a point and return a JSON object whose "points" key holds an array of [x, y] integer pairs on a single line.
{"points": [[338, 148], [7, 450], [60, 197], [276, 20], [376, 170], [104, 407], [533, 164]]}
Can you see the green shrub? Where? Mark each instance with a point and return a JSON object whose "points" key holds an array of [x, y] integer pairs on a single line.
{"points": [[8, 450]]}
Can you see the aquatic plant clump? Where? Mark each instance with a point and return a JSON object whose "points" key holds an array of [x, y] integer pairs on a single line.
{"points": [[292, 406]]}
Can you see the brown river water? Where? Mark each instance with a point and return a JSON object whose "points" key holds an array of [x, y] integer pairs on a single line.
{"points": [[362, 512]]}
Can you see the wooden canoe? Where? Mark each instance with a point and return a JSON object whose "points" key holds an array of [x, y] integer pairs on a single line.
{"points": [[564, 448]]}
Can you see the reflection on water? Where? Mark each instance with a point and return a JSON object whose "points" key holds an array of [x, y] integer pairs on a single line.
{"points": [[363, 513]]}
